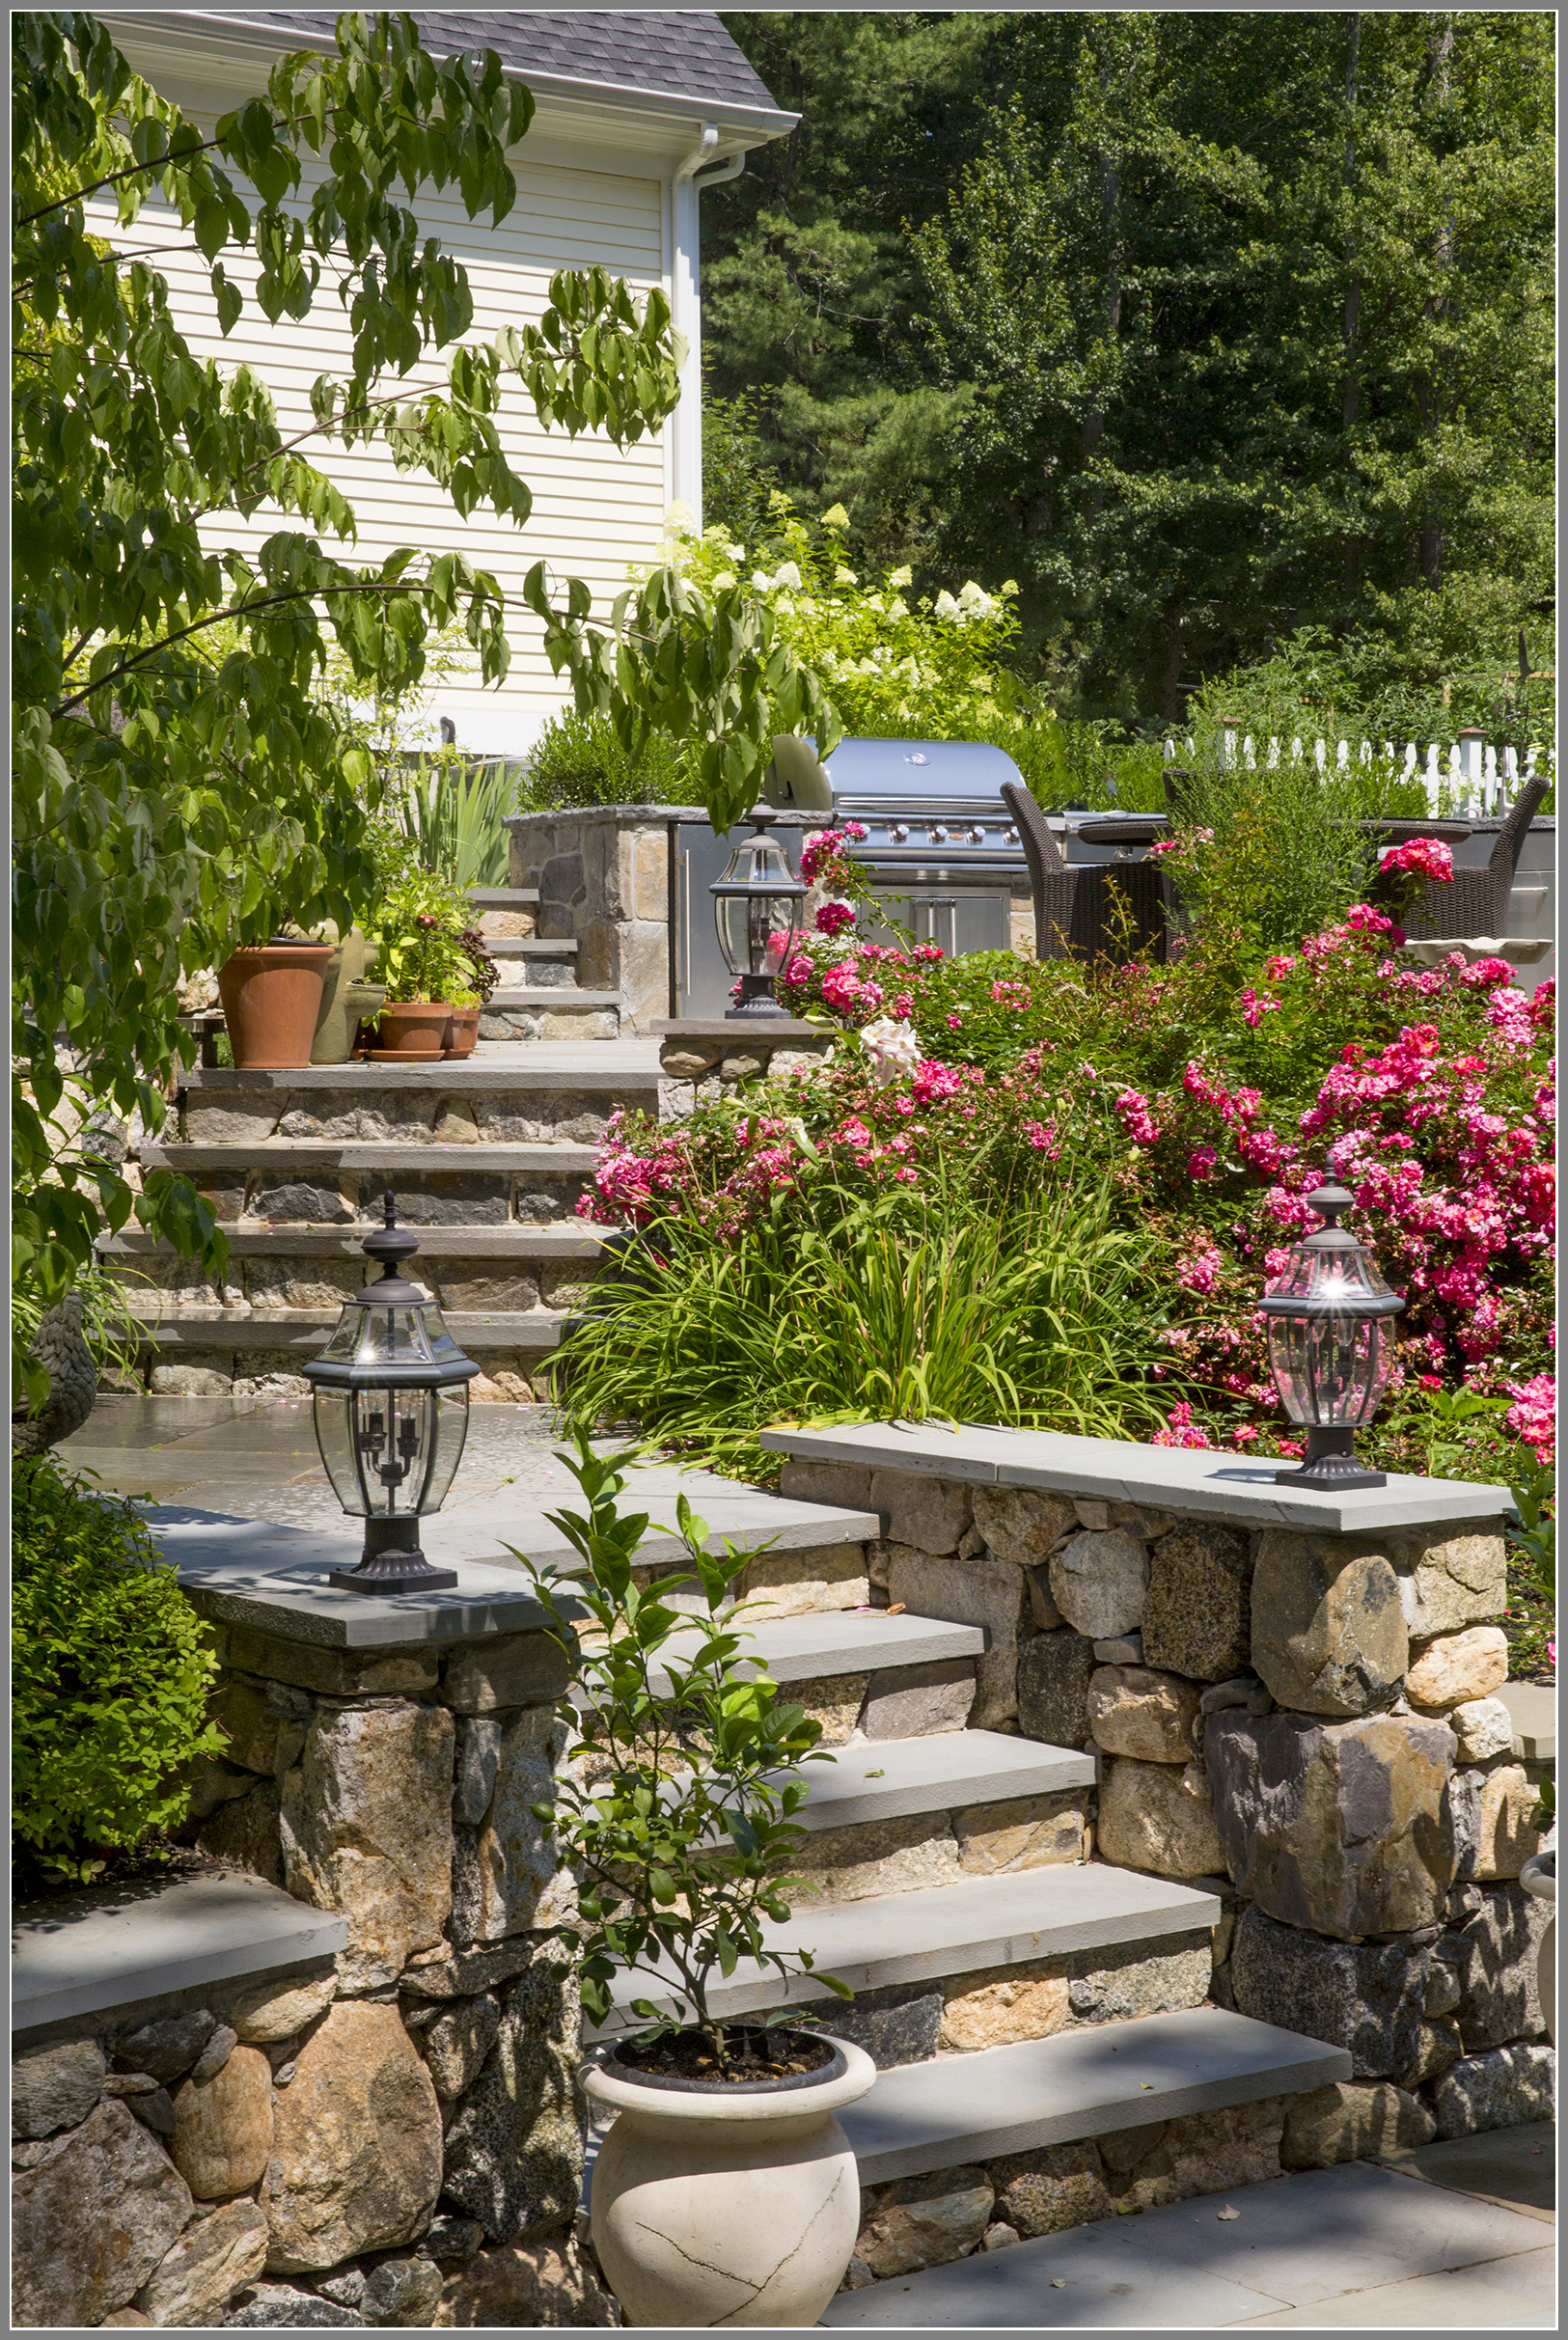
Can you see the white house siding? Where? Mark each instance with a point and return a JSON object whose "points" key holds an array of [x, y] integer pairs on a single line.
{"points": [[596, 509]]}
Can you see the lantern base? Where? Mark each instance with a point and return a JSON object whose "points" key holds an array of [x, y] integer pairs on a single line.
{"points": [[757, 1001], [1330, 1463], [393, 1562]]}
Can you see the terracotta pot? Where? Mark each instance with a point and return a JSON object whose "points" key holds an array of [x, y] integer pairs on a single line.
{"points": [[465, 1031], [271, 998], [415, 1028], [727, 2206]]}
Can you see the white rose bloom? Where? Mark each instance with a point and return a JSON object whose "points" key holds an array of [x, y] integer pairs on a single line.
{"points": [[893, 1050]]}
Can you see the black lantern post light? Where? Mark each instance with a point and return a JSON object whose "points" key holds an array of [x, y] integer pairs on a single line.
{"points": [[391, 1405], [757, 907], [1330, 1347]]}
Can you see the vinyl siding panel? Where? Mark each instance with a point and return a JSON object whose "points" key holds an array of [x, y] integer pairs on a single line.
{"points": [[595, 511]]}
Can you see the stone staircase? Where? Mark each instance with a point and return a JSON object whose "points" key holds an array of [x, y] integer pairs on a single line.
{"points": [[486, 1156], [1041, 2022], [539, 996]]}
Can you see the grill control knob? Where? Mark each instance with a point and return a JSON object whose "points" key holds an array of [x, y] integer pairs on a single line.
{"points": [[899, 835], [1010, 837], [938, 837], [977, 836]]}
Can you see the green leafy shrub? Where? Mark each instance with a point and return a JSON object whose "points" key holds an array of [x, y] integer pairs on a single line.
{"points": [[577, 759], [111, 1669]]}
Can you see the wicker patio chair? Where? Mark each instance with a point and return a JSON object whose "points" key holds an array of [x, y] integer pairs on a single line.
{"points": [[1476, 902], [1074, 915]]}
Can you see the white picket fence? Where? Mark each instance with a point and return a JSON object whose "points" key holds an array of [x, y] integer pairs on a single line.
{"points": [[1470, 778]]}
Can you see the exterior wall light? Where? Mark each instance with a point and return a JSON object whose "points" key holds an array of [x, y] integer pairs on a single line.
{"points": [[758, 906], [391, 1407], [1330, 1320]]}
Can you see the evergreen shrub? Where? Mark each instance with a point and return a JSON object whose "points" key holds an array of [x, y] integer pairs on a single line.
{"points": [[110, 1668]]}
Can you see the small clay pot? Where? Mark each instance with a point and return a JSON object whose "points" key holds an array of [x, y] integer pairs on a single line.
{"points": [[271, 998], [465, 1031], [415, 1028]]}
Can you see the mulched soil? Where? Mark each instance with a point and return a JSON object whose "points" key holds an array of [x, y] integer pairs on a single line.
{"points": [[749, 2057]]}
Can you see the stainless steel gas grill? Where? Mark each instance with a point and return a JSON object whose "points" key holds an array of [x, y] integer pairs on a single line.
{"points": [[941, 848]]}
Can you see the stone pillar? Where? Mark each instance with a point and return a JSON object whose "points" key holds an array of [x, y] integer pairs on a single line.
{"points": [[602, 876], [398, 2132]]}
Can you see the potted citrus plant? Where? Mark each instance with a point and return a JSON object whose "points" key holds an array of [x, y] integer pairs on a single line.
{"points": [[724, 2191]]}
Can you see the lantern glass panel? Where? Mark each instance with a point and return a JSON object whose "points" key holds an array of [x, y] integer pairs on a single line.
{"points": [[1331, 1370], [757, 902], [390, 1453]]}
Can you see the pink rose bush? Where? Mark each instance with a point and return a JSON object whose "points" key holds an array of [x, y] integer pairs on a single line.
{"points": [[1427, 1092]]}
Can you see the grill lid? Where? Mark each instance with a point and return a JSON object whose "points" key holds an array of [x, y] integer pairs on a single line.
{"points": [[879, 772]]}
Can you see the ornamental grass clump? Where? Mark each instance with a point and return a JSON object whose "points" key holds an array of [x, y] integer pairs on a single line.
{"points": [[833, 1305], [675, 1811], [110, 1673]]}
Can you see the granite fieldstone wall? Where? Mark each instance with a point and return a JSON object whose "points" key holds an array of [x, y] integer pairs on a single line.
{"points": [[1305, 1722], [393, 2135]]}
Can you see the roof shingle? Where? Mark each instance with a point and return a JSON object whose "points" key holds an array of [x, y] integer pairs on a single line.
{"points": [[667, 53]]}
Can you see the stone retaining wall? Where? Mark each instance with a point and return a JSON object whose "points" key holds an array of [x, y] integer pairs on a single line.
{"points": [[1302, 1719], [391, 2137], [697, 1064]]}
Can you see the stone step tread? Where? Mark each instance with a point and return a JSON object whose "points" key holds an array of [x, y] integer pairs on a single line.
{"points": [[504, 898], [894, 1779], [1080, 2083], [531, 947], [305, 1330], [855, 1641], [959, 1928], [454, 1076], [401, 1154], [550, 995], [284, 1240]]}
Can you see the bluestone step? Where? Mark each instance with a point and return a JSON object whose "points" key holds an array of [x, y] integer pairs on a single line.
{"points": [[285, 1241], [845, 1641], [949, 1929], [391, 1158], [1082, 2083], [504, 898], [304, 1330], [892, 1779]]}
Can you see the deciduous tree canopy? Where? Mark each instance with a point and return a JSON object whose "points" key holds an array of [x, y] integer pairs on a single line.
{"points": [[1202, 326]]}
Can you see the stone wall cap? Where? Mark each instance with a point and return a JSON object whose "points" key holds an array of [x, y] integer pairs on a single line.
{"points": [[743, 1030], [251, 1572], [1203, 1480], [117, 1945], [639, 815]]}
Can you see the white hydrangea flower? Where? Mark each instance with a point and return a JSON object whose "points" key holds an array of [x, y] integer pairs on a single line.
{"points": [[786, 573], [947, 606], [844, 576], [724, 579], [902, 576], [761, 582], [893, 1048]]}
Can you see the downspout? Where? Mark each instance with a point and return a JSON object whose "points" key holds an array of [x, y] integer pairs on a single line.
{"points": [[686, 425]]}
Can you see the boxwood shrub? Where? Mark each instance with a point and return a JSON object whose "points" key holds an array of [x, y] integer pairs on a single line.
{"points": [[111, 1671]]}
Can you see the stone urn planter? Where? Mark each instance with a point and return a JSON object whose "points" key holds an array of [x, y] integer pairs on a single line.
{"points": [[1539, 1877], [725, 2204], [413, 1028], [271, 1000]]}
